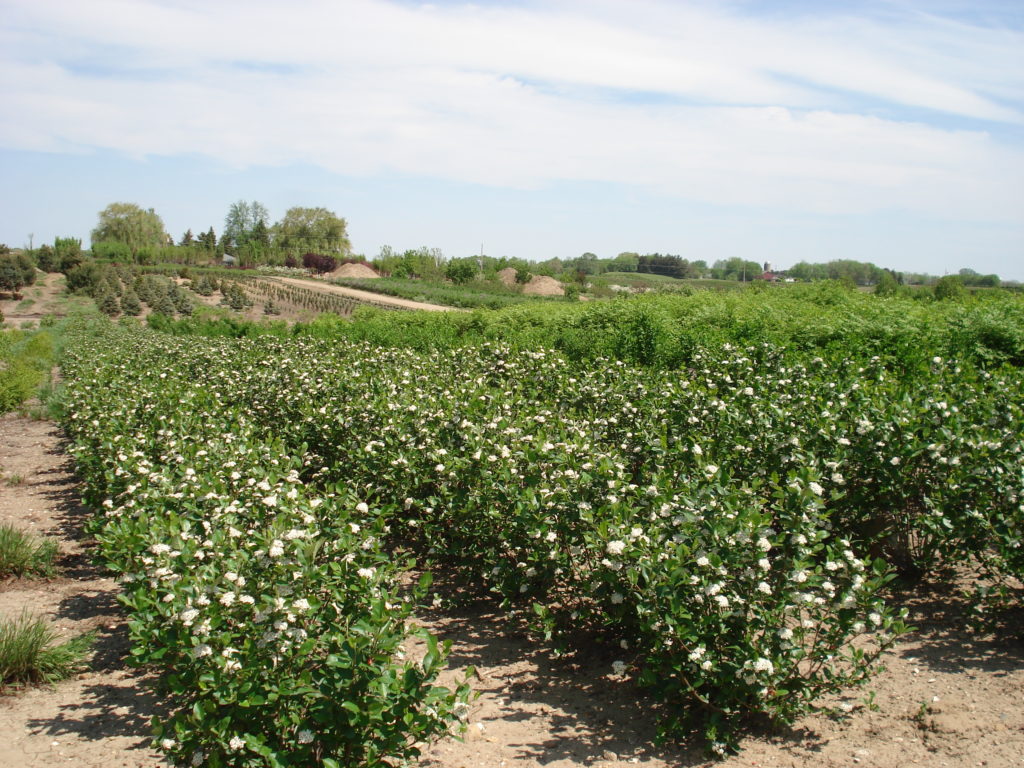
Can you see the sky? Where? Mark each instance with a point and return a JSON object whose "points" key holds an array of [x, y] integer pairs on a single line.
{"points": [[889, 131]]}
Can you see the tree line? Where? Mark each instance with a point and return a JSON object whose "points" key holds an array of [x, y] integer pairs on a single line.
{"points": [[126, 232]]}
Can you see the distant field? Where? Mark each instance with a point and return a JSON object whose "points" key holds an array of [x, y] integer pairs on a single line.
{"points": [[635, 278], [473, 295], [644, 280]]}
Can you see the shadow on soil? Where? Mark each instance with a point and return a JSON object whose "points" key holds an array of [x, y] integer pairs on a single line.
{"points": [[593, 716], [944, 641], [104, 711], [123, 707]]}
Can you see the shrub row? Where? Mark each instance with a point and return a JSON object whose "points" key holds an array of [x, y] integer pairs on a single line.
{"points": [[267, 605], [731, 525]]}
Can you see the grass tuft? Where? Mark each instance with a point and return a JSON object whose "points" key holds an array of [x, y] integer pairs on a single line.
{"points": [[24, 554], [28, 653]]}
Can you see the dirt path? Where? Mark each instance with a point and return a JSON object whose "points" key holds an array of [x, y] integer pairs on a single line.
{"points": [[355, 293], [101, 717], [38, 300]]}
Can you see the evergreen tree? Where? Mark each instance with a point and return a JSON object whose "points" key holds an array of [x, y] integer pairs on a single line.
{"points": [[235, 297], [202, 286], [108, 303], [163, 305], [141, 287], [130, 304], [181, 300]]}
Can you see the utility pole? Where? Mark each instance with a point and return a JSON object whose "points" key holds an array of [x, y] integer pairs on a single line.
{"points": [[481, 259]]}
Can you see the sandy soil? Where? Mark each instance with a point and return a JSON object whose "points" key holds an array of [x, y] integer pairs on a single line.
{"points": [[40, 299], [542, 285], [538, 285], [355, 270], [949, 698], [101, 717]]}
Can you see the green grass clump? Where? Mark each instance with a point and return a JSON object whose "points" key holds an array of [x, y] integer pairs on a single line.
{"points": [[23, 554], [28, 653], [25, 359]]}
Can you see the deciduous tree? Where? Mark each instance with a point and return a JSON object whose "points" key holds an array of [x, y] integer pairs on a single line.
{"points": [[246, 222], [129, 224], [312, 229]]}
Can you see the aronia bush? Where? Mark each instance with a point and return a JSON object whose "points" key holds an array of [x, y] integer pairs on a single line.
{"points": [[730, 525]]}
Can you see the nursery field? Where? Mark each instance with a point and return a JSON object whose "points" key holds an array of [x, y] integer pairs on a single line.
{"points": [[726, 518]]}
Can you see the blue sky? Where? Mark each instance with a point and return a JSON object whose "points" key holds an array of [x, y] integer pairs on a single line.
{"points": [[890, 132]]}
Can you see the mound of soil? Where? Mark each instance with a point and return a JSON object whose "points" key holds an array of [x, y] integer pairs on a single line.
{"points": [[540, 285], [354, 270], [507, 277]]}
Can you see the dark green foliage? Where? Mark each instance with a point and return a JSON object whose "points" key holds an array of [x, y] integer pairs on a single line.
{"points": [[130, 303], [182, 302], [949, 287], [46, 259], [143, 286], [16, 271], [203, 286], [973, 279], [235, 297], [108, 303], [163, 304], [84, 278], [67, 253], [887, 285], [823, 317], [461, 271], [146, 254], [112, 250]]}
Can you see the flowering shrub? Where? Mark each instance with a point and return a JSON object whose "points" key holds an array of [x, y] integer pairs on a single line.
{"points": [[270, 607], [730, 525]]}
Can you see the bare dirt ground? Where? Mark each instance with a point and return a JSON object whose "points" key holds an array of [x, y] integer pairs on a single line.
{"points": [[101, 717], [949, 698], [38, 300]]}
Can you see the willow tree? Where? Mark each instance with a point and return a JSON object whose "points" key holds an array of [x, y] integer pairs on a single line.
{"points": [[129, 224], [312, 229]]}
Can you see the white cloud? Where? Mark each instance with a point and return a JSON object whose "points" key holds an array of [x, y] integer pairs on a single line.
{"points": [[702, 102]]}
